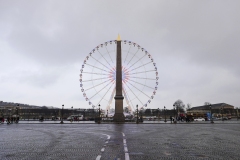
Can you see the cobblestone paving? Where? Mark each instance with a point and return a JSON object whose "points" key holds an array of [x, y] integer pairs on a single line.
{"points": [[144, 141]]}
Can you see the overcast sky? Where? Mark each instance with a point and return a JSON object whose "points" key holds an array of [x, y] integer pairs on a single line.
{"points": [[196, 45]]}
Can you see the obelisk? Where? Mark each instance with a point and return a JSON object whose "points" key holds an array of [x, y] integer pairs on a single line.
{"points": [[119, 116]]}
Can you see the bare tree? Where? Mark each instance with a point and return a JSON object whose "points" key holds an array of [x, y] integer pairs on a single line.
{"points": [[179, 104], [189, 106], [207, 103], [126, 109]]}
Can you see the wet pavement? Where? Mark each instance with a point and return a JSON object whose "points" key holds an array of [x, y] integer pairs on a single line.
{"points": [[90, 141]]}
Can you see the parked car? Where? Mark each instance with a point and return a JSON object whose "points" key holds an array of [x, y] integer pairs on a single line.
{"points": [[75, 118], [199, 119], [225, 118]]}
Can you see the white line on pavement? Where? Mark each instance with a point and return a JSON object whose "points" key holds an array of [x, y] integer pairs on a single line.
{"points": [[127, 156], [103, 149], [98, 157], [125, 147]]}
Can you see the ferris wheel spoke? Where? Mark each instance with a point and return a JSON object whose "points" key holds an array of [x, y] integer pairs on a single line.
{"points": [[144, 78], [109, 54], [96, 79], [105, 93], [96, 67], [134, 94], [98, 85], [139, 90], [141, 72], [137, 61], [111, 98], [141, 84], [100, 90], [133, 56], [139, 66], [100, 63], [104, 59], [127, 53], [95, 73], [126, 93]]}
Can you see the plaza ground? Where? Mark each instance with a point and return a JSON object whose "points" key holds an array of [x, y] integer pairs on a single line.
{"points": [[120, 141]]}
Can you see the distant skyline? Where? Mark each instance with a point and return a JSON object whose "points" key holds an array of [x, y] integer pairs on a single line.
{"points": [[195, 45]]}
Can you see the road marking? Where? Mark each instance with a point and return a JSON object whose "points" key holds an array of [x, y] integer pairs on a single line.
{"points": [[125, 147], [98, 157], [127, 156], [103, 149]]}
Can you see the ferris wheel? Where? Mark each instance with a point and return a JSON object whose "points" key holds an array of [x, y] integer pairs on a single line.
{"points": [[139, 75]]}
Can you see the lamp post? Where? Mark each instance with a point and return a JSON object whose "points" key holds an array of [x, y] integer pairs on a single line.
{"points": [[62, 115], [17, 114], [237, 113], [9, 116], [211, 113], [84, 114], [137, 115], [99, 116], [55, 118], [222, 113], [174, 114], [94, 112], [107, 115], [141, 115], [72, 115], [165, 114], [28, 114], [158, 114]]}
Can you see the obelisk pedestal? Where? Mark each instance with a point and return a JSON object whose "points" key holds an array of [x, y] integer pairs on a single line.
{"points": [[119, 116]]}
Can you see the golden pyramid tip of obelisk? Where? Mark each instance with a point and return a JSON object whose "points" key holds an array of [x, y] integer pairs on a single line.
{"points": [[118, 38]]}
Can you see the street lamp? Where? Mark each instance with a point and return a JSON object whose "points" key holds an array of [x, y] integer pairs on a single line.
{"points": [[137, 115], [174, 107], [94, 112], [222, 113], [28, 114], [165, 114], [62, 115], [158, 114], [211, 113], [72, 115], [84, 114], [17, 116], [141, 115], [99, 116], [237, 113], [9, 117], [107, 115]]}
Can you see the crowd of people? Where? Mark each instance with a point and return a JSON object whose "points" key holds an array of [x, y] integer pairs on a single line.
{"points": [[9, 120]]}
